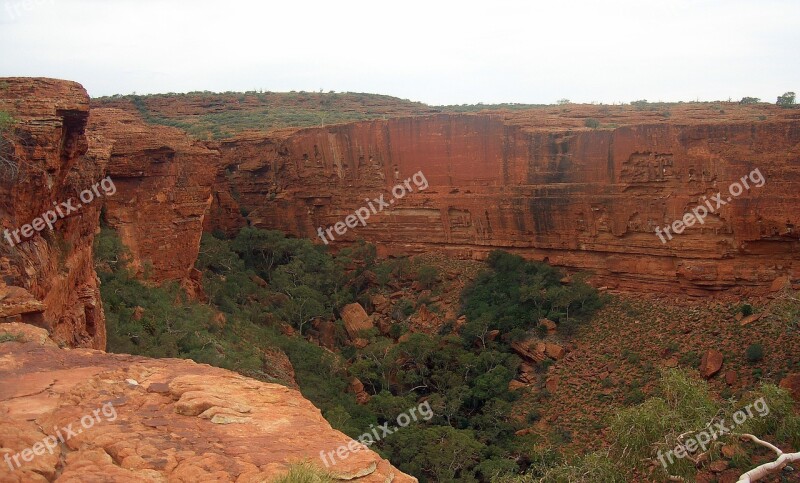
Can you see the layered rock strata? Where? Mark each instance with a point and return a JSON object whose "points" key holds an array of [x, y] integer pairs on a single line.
{"points": [[585, 199], [163, 182], [47, 277]]}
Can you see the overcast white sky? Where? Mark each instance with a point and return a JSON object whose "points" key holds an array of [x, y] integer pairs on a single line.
{"points": [[431, 51]]}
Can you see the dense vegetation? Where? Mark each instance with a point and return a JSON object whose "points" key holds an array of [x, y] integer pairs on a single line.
{"points": [[516, 294], [264, 111], [262, 281]]}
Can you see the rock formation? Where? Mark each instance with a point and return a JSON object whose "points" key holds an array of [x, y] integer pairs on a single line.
{"points": [[48, 279], [163, 182], [536, 184], [355, 319], [172, 419], [168, 420]]}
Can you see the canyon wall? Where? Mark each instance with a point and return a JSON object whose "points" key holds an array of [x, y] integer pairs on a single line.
{"points": [[163, 182], [579, 198], [47, 278], [151, 420]]}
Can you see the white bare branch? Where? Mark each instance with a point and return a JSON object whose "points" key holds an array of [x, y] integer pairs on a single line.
{"points": [[767, 469]]}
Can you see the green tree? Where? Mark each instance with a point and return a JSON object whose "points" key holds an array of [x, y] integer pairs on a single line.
{"points": [[427, 275], [441, 454], [786, 100]]}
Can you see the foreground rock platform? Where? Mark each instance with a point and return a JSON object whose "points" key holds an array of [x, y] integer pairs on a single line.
{"points": [[175, 420]]}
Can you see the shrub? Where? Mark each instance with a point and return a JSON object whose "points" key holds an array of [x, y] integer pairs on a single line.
{"points": [[631, 356], [754, 353], [750, 100], [673, 347], [396, 330], [6, 121], [304, 473], [592, 123], [533, 416], [402, 309], [7, 337], [746, 309], [634, 396], [690, 359], [427, 275]]}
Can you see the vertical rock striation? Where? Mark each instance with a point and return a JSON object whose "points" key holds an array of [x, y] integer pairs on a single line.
{"points": [[48, 279], [579, 198], [163, 182]]}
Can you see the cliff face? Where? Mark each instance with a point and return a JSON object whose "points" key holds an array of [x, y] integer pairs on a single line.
{"points": [[48, 279], [578, 198], [163, 182], [139, 419]]}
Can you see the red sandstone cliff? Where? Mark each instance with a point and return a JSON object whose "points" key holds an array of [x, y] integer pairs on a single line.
{"points": [[172, 420], [49, 279], [576, 197], [163, 182]]}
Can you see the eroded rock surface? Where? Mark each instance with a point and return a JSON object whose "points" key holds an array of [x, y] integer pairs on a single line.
{"points": [[48, 279], [163, 182], [173, 420], [538, 184]]}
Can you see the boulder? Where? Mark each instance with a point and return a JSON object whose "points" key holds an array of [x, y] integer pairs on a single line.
{"points": [[357, 387], [526, 352], [380, 302], [792, 384], [514, 385], [779, 284], [355, 319], [550, 325], [554, 351], [326, 332], [750, 319], [711, 363], [384, 326]]}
